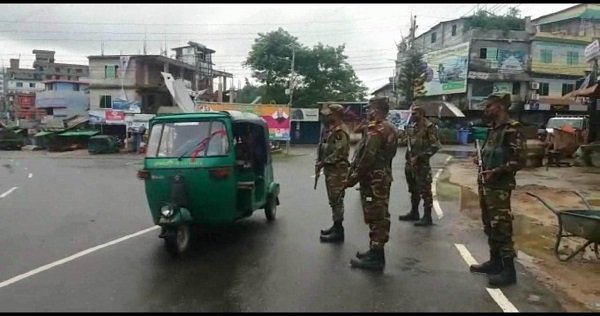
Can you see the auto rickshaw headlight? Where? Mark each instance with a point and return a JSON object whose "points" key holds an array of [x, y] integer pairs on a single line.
{"points": [[167, 210]]}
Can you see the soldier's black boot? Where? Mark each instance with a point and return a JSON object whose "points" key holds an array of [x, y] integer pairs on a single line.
{"points": [[426, 219], [413, 215], [374, 259], [328, 231], [361, 255], [492, 266], [336, 235], [507, 276]]}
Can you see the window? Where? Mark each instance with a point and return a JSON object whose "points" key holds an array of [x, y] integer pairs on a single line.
{"points": [[48, 77], [567, 88], [454, 30], [546, 56], [516, 88], [433, 37], [572, 58], [57, 77], [199, 139], [105, 102], [32, 85], [78, 71], [110, 71], [544, 88], [483, 53], [41, 68], [19, 84], [68, 77], [68, 70], [57, 69]]}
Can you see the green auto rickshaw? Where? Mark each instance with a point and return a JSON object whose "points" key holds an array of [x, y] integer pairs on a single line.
{"points": [[207, 169]]}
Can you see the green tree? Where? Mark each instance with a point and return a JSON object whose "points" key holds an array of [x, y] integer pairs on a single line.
{"points": [[248, 93], [322, 73], [325, 75], [270, 60], [411, 78]]}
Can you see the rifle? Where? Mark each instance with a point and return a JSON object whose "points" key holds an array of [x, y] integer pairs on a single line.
{"points": [[319, 158], [480, 166]]}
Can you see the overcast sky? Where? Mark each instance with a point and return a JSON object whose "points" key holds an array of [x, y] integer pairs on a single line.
{"points": [[369, 31]]}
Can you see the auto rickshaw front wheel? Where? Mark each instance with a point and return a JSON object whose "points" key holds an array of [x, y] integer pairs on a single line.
{"points": [[177, 240], [271, 209]]}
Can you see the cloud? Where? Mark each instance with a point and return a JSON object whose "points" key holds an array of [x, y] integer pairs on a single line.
{"points": [[369, 31]]}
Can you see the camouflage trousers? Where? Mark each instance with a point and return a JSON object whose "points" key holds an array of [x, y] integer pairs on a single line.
{"points": [[375, 197], [497, 220], [334, 178], [419, 185]]}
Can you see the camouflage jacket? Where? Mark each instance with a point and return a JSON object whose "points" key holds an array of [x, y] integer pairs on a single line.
{"points": [[376, 152], [504, 151], [424, 142], [335, 145]]}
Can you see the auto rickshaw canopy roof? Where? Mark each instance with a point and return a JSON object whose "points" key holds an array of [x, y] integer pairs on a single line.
{"points": [[235, 116]]}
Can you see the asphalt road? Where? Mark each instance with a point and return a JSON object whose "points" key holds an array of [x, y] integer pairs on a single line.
{"points": [[63, 205]]}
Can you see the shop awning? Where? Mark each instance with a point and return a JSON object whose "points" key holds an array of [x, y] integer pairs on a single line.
{"points": [[43, 133], [79, 133]]}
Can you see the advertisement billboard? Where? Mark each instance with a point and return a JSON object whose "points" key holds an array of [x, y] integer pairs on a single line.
{"points": [[305, 115], [277, 116], [447, 70]]}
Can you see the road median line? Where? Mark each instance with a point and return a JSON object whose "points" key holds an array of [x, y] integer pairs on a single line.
{"points": [[496, 294]]}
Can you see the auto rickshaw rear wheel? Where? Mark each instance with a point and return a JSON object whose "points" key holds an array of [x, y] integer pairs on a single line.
{"points": [[271, 209], [177, 241]]}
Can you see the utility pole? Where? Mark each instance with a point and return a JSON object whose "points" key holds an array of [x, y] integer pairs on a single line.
{"points": [[413, 30], [287, 146]]}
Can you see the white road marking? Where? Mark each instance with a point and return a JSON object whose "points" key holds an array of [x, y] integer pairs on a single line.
{"points": [[5, 194], [464, 252], [73, 257], [436, 203], [502, 301], [30, 175], [496, 294]]}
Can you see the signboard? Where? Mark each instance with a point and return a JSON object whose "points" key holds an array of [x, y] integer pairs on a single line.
{"points": [[399, 118], [97, 117], [592, 51], [277, 116], [138, 120], [447, 70], [127, 106], [305, 115], [115, 117]]}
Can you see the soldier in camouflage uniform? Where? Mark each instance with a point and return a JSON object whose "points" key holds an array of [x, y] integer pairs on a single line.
{"points": [[335, 147], [424, 143], [503, 154], [372, 168]]}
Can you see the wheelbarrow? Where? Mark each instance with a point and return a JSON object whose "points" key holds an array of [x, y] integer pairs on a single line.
{"points": [[582, 224]]}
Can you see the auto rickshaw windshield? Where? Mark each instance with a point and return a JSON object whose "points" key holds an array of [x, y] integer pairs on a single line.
{"points": [[188, 139]]}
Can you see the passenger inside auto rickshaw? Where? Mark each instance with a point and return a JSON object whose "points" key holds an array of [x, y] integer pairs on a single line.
{"points": [[250, 147]]}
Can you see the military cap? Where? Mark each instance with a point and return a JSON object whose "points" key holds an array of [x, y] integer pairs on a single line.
{"points": [[502, 98], [382, 103], [332, 108]]}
